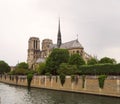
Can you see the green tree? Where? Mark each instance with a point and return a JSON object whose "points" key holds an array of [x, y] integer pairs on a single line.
{"points": [[22, 65], [41, 68], [4, 67], [76, 59], [107, 60], [57, 57], [92, 61], [67, 69], [20, 71]]}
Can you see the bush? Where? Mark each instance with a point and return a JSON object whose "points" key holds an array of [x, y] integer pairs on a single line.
{"points": [[20, 71], [29, 79], [67, 69], [101, 80], [22, 65], [98, 69], [83, 81], [62, 79]]}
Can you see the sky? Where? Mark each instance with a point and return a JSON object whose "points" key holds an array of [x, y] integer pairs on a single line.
{"points": [[97, 23]]}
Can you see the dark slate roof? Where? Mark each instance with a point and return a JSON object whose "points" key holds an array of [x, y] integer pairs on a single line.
{"points": [[68, 45]]}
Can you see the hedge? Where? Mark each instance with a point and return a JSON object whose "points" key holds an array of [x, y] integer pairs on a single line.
{"points": [[99, 69]]}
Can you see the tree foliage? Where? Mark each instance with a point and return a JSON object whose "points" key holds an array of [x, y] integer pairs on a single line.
{"points": [[67, 69], [22, 65], [62, 79], [4, 67], [41, 68], [19, 71], [76, 59], [101, 80], [92, 61], [57, 57], [98, 69], [107, 60], [29, 79]]}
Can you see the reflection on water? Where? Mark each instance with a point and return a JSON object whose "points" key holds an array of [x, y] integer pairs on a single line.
{"points": [[20, 95]]}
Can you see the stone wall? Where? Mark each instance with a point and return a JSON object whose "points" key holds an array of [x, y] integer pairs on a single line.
{"points": [[111, 87]]}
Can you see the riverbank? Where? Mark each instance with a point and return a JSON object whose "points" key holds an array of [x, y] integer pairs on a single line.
{"points": [[91, 85]]}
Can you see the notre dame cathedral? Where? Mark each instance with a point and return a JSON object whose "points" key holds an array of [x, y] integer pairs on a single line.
{"points": [[37, 55]]}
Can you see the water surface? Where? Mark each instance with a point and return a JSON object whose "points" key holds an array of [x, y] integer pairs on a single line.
{"points": [[19, 95]]}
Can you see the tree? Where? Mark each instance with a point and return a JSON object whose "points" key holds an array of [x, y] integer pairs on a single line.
{"points": [[57, 57], [20, 71], [41, 68], [4, 67], [22, 65], [76, 59], [92, 61], [67, 69], [107, 60]]}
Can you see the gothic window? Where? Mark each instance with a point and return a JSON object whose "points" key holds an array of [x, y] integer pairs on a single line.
{"points": [[34, 44]]}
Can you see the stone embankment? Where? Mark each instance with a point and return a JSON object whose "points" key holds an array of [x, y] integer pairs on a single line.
{"points": [[91, 84]]}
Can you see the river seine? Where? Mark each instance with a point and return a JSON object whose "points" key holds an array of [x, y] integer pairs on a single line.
{"points": [[19, 95]]}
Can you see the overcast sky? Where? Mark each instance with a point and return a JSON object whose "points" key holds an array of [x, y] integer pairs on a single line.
{"points": [[97, 22]]}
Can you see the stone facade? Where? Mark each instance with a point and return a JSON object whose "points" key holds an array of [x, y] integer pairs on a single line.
{"points": [[33, 51], [91, 85]]}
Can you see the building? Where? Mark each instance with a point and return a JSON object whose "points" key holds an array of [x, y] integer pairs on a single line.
{"points": [[35, 55]]}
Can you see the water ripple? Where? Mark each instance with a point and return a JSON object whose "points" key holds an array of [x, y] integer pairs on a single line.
{"points": [[20, 95]]}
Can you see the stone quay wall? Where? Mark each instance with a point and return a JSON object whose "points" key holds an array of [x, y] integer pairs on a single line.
{"points": [[91, 85]]}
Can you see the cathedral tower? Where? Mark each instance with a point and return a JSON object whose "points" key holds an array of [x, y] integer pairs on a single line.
{"points": [[59, 40], [46, 43], [33, 51]]}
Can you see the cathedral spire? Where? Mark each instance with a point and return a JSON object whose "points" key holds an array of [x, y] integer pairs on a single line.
{"points": [[59, 41]]}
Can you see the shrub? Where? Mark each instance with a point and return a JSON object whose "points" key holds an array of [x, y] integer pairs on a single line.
{"points": [[29, 79], [20, 71], [83, 81], [67, 69], [62, 79], [22, 65], [98, 69], [101, 80]]}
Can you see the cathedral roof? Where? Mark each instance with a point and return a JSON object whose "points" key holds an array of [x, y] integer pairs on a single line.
{"points": [[68, 45], [71, 44]]}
